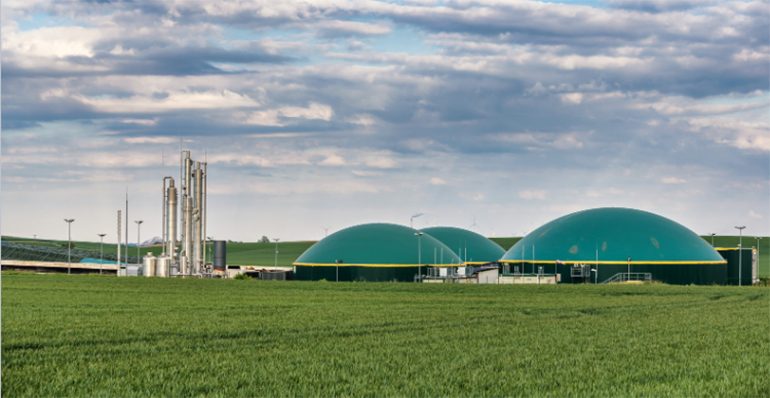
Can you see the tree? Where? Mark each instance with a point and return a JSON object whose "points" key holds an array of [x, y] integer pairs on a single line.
{"points": [[264, 239]]}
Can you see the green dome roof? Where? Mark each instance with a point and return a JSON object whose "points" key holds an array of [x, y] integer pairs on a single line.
{"points": [[470, 246], [617, 233], [376, 244]]}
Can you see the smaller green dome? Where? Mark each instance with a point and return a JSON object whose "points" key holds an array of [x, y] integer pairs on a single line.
{"points": [[470, 246], [377, 244]]}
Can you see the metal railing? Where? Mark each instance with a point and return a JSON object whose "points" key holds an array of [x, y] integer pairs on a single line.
{"points": [[629, 277]]}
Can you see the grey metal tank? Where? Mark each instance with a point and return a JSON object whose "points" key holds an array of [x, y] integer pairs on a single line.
{"points": [[220, 255]]}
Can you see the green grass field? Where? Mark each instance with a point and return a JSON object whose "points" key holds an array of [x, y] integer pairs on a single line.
{"points": [[96, 335]]}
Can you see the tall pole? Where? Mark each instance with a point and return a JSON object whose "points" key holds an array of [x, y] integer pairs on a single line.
{"points": [[276, 254], [712, 239], [119, 241], [126, 230], [138, 238], [596, 278], [419, 255], [740, 253], [338, 269], [101, 256], [758, 238], [629, 269], [69, 243]]}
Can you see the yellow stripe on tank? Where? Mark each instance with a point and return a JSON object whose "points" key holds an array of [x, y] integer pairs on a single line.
{"points": [[611, 262]]}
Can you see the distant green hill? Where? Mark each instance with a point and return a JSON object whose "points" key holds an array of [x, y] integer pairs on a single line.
{"points": [[263, 254]]}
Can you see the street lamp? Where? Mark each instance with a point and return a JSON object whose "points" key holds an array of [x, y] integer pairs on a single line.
{"points": [[138, 240], [595, 276], [712, 239], [740, 252], [419, 255], [629, 269], [69, 243], [326, 231], [411, 220], [276, 254], [101, 256]]}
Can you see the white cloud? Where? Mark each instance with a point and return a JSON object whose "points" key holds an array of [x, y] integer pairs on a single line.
{"points": [[672, 180], [437, 181], [240, 159], [532, 194], [333, 160], [180, 100], [363, 173], [571, 98], [382, 163], [272, 117], [752, 214], [151, 140]]}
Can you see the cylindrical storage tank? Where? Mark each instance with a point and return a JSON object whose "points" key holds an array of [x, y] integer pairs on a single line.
{"points": [[171, 220], [161, 268], [220, 255], [149, 265]]}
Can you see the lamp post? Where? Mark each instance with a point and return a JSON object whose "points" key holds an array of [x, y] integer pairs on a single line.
{"points": [[740, 253], [629, 269], [276, 254], [419, 255], [595, 276], [712, 239], [411, 220], [101, 256], [69, 243], [138, 240]]}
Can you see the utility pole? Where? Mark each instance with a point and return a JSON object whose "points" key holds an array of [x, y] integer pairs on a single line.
{"points": [[419, 255], [276, 254], [138, 238], [712, 239], [69, 243], [740, 253], [101, 256]]}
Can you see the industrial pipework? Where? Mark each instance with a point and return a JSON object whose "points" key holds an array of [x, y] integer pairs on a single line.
{"points": [[191, 259]]}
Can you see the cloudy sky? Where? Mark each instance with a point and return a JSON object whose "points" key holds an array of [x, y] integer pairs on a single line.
{"points": [[500, 115]]}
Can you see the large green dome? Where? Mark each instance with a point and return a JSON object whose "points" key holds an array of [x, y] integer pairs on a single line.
{"points": [[616, 233], [470, 246], [386, 245]]}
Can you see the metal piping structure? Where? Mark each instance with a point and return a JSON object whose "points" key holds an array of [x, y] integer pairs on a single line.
{"points": [[191, 259]]}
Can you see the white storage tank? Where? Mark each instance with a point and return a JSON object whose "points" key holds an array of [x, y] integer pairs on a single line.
{"points": [[149, 264], [161, 268]]}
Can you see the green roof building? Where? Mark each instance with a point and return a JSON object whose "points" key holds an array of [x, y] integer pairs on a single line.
{"points": [[473, 248], [605, 239], [372, 252]]}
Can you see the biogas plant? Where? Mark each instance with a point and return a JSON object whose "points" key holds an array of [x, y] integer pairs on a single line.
{"points": [[603, 245]]}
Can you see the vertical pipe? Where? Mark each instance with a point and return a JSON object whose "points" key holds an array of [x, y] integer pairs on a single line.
{"points": [[188, 205], [198, 217], [171, 219], [119, 218], [164, 215], [205, 206], [126, 230], [190, 208]]}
